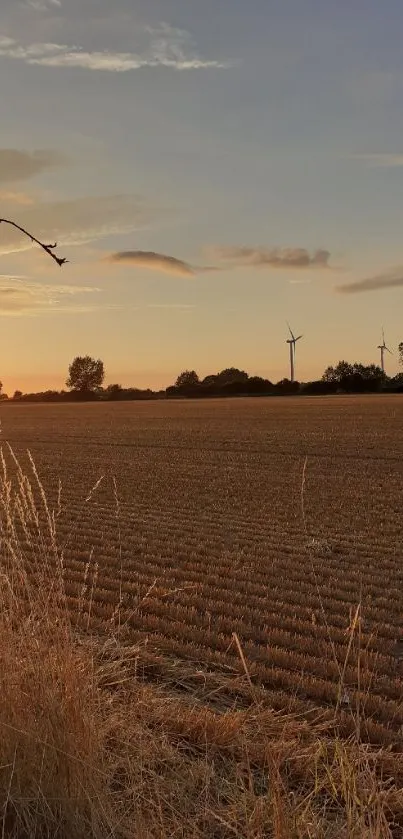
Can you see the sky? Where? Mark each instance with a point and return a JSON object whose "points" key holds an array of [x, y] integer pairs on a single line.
{"points": [[211, 169]]}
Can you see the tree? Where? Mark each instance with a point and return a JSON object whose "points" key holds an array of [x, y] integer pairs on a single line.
{"points": [[231, 374], [400, 351], [336, 374], [86, 374], [287, 387], [113, 392], [209, 380], [369, 372], [319, 387], [188, 378], [256, 384], [17, 394], [355, 378]]}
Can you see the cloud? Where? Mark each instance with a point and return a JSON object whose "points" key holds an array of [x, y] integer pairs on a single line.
{"points": [[167, 47], [229, 257], [380, 159], [291, 258], [21, 296], [389, 279], [43, 5], [153, 261], [174, 306], [76, 222], [20, 165]]}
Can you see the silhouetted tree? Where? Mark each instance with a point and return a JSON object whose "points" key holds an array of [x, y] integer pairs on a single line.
{"points": [[256, 384], [231, 374], [320, 387], [235, 388], [86, 374], [113, 392], [368, 371], [355, 378], [394, 383], [209, 381], [188, 378], [336, 374], [287, 387], [400, 351], [17, 394]]}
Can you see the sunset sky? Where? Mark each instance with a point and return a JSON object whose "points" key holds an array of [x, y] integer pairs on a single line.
{"points": [[211, 169]]}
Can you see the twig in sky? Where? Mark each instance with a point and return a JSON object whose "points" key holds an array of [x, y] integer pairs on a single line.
{"points": [[48, 248]]}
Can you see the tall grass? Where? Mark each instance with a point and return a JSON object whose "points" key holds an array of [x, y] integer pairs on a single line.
{"points": [[88, 749], [53, 776]]}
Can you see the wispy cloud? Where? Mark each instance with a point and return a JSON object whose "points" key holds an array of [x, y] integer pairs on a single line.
{"points": [[167, 47], [153, 261], [299, 282], [21, 296], [380, 159], [18, 165], [77, 221], [84, 310], [43, 5], [389, 279], [291, 258], [185, 307]]}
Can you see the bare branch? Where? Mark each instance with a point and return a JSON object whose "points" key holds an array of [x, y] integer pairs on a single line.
{"points": [[48, 248]]}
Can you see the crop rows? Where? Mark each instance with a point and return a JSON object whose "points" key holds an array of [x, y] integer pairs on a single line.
{"points": [[182, 524]]}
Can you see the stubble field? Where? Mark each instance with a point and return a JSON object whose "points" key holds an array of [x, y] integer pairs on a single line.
{"points": [[251, 547]]}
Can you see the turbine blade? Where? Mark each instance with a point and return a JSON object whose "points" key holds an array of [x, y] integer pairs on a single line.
{"points": [[291, 332], [299, 336], [388, 350]]}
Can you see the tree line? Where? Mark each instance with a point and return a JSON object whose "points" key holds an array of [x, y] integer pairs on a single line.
{"points": [[343, 377], [86, 377]]}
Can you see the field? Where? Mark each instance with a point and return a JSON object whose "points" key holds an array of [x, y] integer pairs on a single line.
{"points": [[249, 549]]}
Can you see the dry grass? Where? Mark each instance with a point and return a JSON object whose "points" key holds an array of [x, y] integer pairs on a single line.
{"points": [[104, 737]]}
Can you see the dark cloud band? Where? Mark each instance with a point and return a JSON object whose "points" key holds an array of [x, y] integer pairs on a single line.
{"points": [[272, 257], [154, 261], [391, 279]]}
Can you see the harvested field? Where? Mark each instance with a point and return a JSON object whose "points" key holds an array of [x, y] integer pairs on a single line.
{"points": [[251, 548], [197, 531]]}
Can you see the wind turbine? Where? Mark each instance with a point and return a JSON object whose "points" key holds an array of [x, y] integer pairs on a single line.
{"points": [[292, 341], [382, 347]]}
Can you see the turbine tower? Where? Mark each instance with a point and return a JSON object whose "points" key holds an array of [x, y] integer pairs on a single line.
{"points": [[292, 341], [382, 347]]}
